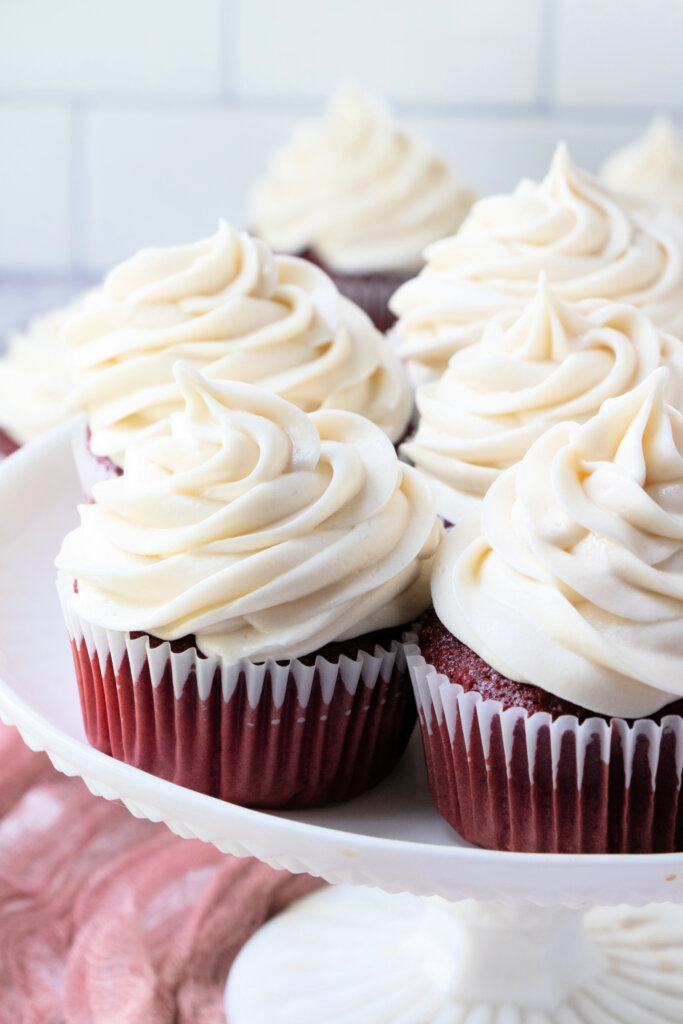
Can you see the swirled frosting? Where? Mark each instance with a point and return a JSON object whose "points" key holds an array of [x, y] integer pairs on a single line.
{"points": [[234, 310], [34, 381], [554, 361], [358, 188], [264, 531], [590, 242], [572, 579], [651, 166]]}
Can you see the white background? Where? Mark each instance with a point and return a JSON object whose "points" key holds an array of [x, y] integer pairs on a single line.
{"points": [[132, 122]]}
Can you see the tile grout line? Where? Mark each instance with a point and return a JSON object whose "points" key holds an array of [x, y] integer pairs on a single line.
{"points": [[546, 84], [300, 105], [228, 49]]}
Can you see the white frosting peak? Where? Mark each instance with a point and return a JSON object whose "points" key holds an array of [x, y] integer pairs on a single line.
{"points": [[591, 244], [552, 361], [237, 312], [359, 189], [572, 579], [264, 531], [651, 166]]}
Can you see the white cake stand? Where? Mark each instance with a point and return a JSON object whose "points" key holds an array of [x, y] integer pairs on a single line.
{"points": [[351, 954]]}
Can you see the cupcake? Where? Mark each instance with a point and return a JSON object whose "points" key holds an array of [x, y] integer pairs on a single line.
{"points": [[551, 362], [237, 599], [34, 381], [590, 242], [550, 679], [360, 196], [235, 311], [652, 166]]}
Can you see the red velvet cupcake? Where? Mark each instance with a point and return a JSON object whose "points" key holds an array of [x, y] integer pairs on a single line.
{"points": [[237, 599], [361, 197], [549, 683]]}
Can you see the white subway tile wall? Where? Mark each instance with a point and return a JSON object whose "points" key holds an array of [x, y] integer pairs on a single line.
{"points": [[159, 176], [621, 53], [139, 123], [431, 51], [35, 187], [168, 48]]}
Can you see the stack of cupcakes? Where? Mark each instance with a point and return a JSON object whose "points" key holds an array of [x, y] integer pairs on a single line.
{"points": [[548, 676], [254, 565], [253, 552]]}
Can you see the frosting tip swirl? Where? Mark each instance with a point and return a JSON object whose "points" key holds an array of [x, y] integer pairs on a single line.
{"points": [[260, 529], [578, 559]]}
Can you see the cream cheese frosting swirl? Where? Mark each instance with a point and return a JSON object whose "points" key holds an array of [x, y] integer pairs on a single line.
{"points": [[359, 189], [651, 166], [572, 579], [34, 380], [590, 242], [231, 308], [554, 361], [262, 530]]}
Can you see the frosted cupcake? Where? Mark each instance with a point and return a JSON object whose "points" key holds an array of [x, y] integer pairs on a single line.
{"points": [[237, 599], [235, 311], [359, 195], [551, 677], [652, 166], [552, 361], [34, 381], [590, 242]]}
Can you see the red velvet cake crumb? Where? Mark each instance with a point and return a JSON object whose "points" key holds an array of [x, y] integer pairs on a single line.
{"points": [[332, 652], [461, 665]]}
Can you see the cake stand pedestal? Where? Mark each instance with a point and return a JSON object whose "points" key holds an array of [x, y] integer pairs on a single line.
{"points": [[349, 955], [510, 952]]}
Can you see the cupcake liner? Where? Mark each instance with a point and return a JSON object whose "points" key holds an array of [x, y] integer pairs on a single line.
{"points": [[91, 468], [370, 291], [268, 734], [509, 780]]}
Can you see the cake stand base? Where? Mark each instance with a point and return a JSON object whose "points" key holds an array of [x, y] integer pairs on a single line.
{"points": [[348, 955]]}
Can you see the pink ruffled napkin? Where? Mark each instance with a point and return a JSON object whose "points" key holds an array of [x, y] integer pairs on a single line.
{"points": [[105, 919]]}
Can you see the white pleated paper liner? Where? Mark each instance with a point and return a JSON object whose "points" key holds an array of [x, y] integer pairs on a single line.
{"points": [[509, 780], [272, 735]]}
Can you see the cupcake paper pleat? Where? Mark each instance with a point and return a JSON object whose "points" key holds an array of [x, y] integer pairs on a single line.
{"points": [[259, 734], [507, 780]]}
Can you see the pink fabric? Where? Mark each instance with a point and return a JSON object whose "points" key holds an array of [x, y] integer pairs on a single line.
{"points": [[105, 919]]}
